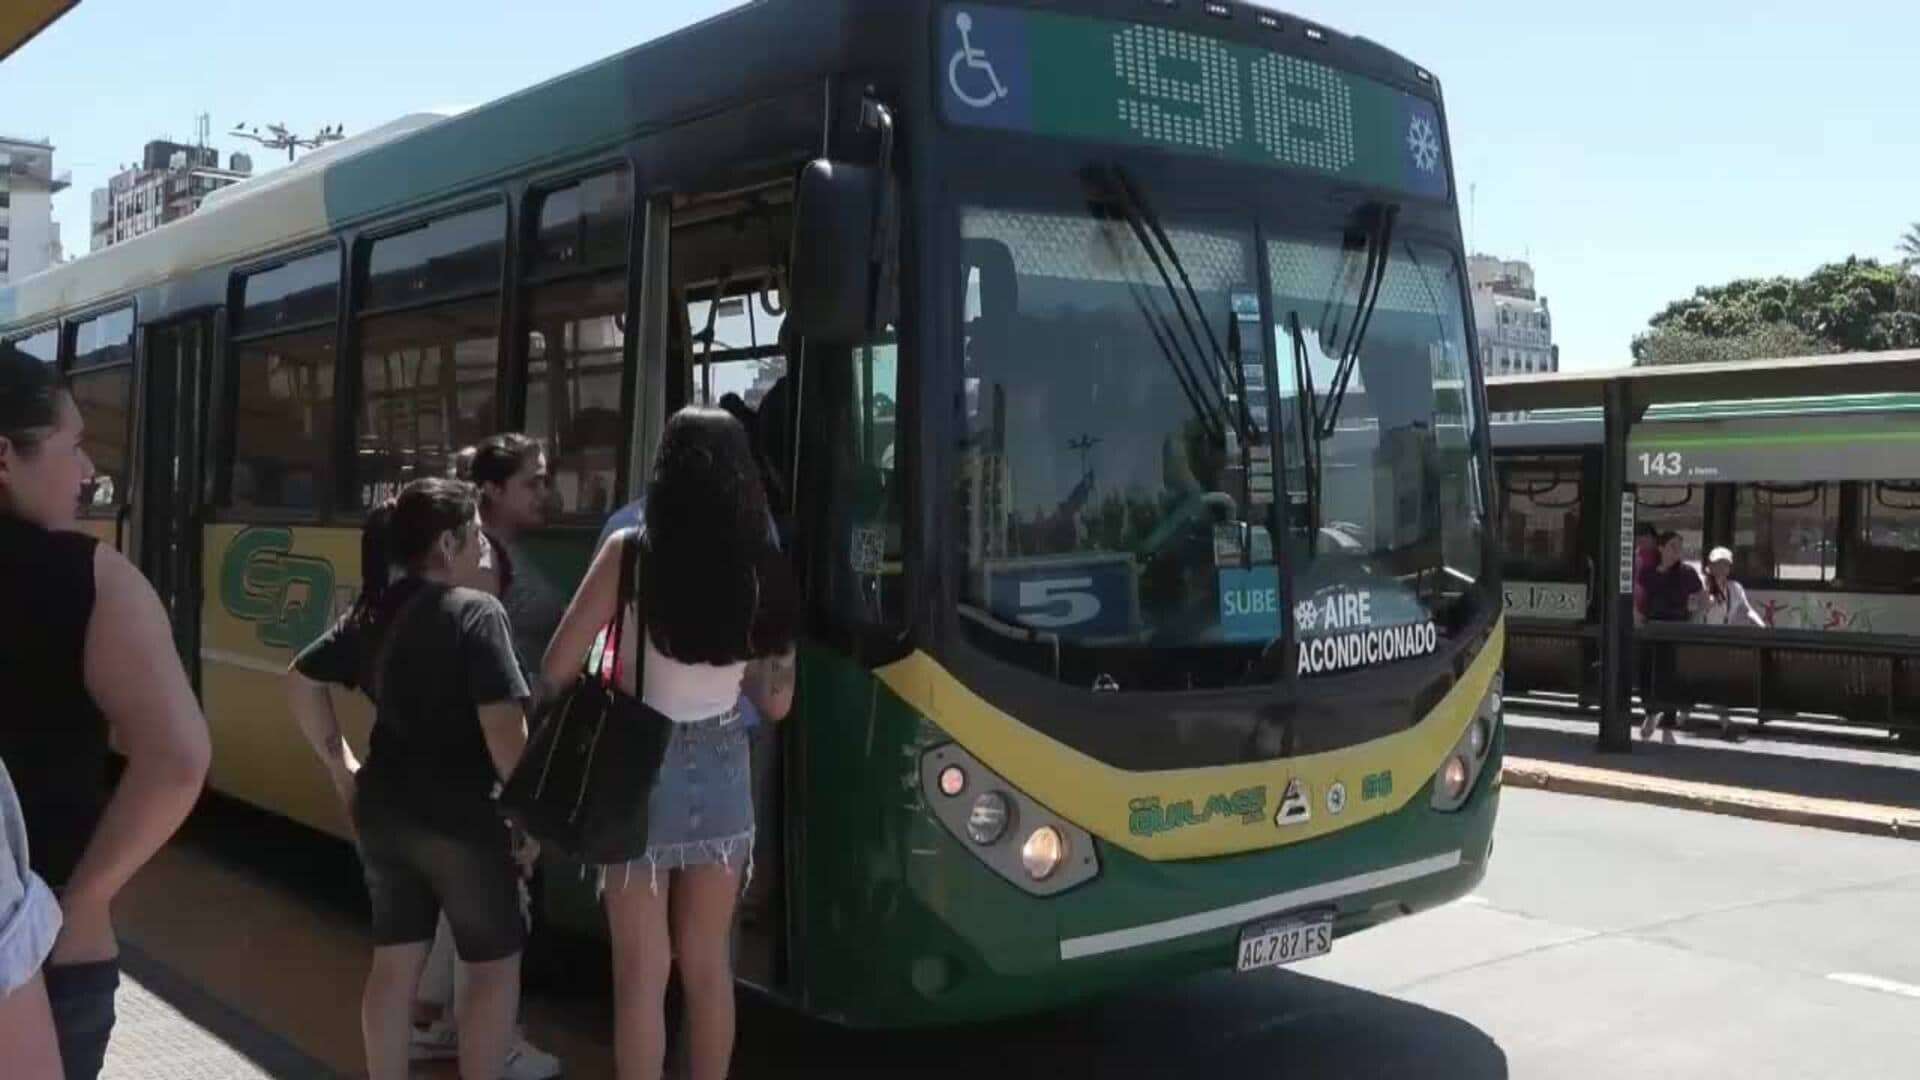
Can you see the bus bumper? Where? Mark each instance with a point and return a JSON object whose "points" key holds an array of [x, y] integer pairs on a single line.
{"points": [[961, 945]]}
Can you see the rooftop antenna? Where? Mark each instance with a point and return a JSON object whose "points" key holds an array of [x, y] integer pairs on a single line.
{"points": [[280, 137], [1473, 215]]}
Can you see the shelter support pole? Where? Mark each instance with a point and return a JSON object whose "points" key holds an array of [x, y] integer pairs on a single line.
{"points": [[1615, 580]]}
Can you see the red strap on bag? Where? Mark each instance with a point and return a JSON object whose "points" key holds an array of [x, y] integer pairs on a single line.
{"points": [[623, 602]]}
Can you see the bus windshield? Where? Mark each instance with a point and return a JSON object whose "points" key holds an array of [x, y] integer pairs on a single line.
{"points": [[1144, 465]]}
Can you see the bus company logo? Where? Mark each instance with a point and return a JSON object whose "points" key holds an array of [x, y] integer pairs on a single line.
{"points": [[1376, 785], [288, 597], [1296, 806], [1147, 817]]}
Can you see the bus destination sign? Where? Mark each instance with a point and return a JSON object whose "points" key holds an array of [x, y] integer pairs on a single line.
{"points": [[1140, 84]]}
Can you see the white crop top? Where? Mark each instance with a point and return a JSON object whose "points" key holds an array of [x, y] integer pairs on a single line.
{"points": [[685, 693]]}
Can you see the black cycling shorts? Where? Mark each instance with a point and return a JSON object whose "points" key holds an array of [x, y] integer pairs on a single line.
{"points": [[414, 873]]}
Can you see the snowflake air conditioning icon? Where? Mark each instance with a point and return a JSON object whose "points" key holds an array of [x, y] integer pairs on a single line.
{"points": [[1424, 144], [1306, 615]]}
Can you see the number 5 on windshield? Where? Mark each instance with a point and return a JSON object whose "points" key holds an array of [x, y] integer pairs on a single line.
{"points": [[1059, 603]]}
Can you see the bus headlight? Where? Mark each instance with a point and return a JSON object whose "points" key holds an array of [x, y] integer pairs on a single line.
{"points": [[1454, 780], [1024, 843], [988, 820], [1043, 852]]}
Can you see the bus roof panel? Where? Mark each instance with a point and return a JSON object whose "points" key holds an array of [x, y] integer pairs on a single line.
{"points": [[748, 54]]}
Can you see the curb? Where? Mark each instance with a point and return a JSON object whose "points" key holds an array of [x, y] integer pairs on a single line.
{"points": [[1862, 818]]}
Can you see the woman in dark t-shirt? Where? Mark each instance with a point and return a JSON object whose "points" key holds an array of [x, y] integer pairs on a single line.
{"points": [[449, 697], [1673, 594]]}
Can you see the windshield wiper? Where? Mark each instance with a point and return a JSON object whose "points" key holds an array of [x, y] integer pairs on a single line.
{"points": [[1154, 240], [1309, 432], [1379, 223], [1167, 339]]}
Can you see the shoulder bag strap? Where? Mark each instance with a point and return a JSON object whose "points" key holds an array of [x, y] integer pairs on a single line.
{"points": [[630, 547]]}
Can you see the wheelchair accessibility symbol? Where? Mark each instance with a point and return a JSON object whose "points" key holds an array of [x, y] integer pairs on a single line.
{"points": [[987, 90]]}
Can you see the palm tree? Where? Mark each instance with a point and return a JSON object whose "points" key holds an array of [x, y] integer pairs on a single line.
{"points": [[1910, 243]]}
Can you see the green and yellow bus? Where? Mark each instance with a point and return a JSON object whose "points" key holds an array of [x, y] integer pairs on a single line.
{"points": [[1117, 366]]}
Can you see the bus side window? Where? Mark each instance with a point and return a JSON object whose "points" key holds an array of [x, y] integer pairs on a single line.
{"points": [[429, 349], [848, 497], [1883, 549], [102, 380], [849, 500], [1786, 533], [576, 338], [282, 386]]}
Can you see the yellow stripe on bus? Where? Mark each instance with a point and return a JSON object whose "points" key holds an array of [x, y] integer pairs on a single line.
{"points": [[268, 587], [1100, 798]]}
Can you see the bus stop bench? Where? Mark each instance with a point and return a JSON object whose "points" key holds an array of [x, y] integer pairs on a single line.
{"points": [[1866, 679]]}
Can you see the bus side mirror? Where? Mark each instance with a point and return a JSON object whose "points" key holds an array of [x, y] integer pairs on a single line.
{"points": [[842, 219]]}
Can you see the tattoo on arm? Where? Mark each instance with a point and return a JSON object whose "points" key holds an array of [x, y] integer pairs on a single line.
{"points": [[780, 674]]}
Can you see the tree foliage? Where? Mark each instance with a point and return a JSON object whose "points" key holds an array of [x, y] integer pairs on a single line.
{"points": [[1768, 342], [1860, 305], [1910, 243]]}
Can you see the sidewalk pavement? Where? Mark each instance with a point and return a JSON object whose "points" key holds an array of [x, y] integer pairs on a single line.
{"points": [[168, 1028], [1831, 778]]}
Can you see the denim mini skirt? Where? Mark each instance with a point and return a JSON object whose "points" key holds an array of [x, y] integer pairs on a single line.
{"points": [[701, 810]]}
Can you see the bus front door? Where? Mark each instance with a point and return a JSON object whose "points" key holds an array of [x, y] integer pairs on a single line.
{"points": [[177, 361]]}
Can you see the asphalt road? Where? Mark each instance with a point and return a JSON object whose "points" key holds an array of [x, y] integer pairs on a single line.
{"points": [[1609, 940]]}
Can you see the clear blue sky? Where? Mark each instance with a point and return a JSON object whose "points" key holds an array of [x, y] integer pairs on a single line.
{"points": [[1633, 150]]}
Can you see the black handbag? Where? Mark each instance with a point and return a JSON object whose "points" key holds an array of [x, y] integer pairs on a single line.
{"points": [[581, 788]]}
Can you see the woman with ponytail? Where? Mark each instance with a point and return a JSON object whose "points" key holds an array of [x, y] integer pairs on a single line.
{"points": [[713, 619], [437, 661]]}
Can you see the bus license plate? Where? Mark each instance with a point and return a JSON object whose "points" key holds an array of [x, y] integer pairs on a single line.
{"points": [[1274, 944]]}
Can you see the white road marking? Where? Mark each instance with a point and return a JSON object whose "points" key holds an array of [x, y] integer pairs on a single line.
{"points": [[1875, 982]]}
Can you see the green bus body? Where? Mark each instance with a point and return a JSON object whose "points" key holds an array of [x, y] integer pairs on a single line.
{"points": [[1213, 764], [898, 924]]}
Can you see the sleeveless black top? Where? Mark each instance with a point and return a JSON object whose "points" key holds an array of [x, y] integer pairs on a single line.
{"points": [[53, 738]]}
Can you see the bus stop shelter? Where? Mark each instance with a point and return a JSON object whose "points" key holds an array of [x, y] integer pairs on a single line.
{"points": [[1625, 395], [20, 20]]}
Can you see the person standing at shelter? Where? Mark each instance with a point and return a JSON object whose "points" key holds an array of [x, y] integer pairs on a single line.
{"points": [[1726, 604], [1646, 556], [1674, 594], [437, 660], [86, 655]]}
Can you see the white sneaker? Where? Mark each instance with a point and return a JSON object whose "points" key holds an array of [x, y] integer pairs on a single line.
{"points": [[438, 1041], [526, 1061]]}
